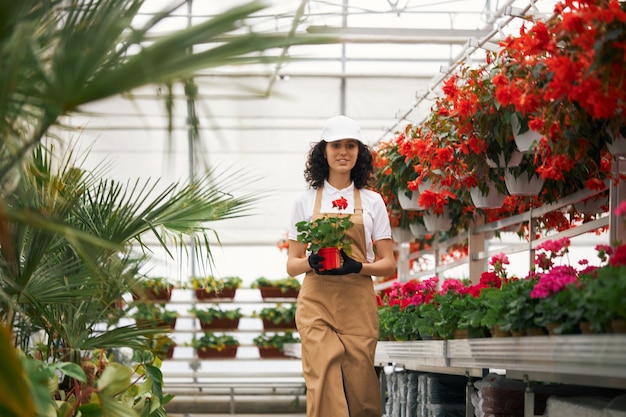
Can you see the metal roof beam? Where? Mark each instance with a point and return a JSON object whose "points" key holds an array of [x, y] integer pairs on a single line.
{"points": [[398, 35]]}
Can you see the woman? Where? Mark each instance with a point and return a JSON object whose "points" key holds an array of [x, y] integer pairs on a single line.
{"points": [[336, 315]]}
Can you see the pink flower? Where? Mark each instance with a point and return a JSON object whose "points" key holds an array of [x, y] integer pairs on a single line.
{"points": [[619, 257], [620, 210], [553, 281]]}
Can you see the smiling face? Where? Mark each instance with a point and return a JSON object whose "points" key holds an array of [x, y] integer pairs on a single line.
{"points": [[342, 154]]}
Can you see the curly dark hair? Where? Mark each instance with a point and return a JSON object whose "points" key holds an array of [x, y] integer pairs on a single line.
{"points": [[316, 169]]}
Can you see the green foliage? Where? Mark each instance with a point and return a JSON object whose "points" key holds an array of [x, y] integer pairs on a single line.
{"points": [[601, 296], [398, 324], [213, 313], [214, 341], [277, 340], [213, 284], [278, 314], [562, 308], [151, 286], [519, 309], [289, 283], [325, 232], [153, 312]]}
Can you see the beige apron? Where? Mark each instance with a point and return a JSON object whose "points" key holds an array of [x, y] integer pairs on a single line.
{"points": [[337, 319]]}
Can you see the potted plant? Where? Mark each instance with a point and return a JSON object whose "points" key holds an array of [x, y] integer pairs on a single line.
{"points": [[279, 317], [280, 288], [162, 346], [211, 287], [602, 291], [555, 73], [153, 288], [216, 318], [215, 345], [272, 345], [148, 315], [326, 235]]}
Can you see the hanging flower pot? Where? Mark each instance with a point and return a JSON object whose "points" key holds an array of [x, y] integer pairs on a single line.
{"points": [[418, 230], [593, 205], [514, 160], [524, 141], [438, 222], [332, 258], [617, 147], [401, 235], [523, 185], [493, 199], [409, 203]]}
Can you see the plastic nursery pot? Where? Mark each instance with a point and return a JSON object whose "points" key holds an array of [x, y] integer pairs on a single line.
{"points": [[332, 258]]}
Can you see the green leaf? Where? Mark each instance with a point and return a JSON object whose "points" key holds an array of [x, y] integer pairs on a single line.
{"points": [[15, 396]]}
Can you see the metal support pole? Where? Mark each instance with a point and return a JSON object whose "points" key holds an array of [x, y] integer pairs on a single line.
{"points": [[469, 391], [529, 399], [476, 245]]}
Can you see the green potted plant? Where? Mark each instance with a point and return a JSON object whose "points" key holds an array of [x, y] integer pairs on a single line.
{"points": [[327, 235], [148, 315], [272, 345], [278, 317], [162, 346], [215, 345], [398, 324], [217, 318], [210, 287], [602, 298], [279, 288], [153, 288]]}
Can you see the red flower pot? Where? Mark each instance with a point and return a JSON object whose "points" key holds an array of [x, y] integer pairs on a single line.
{"points": [[276, 292], [332, 258], [270, 325], [271, 352], [220, 324], [227, 353]]}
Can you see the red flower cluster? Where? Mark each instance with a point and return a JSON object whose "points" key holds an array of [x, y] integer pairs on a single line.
{"points": [[340, 203]]}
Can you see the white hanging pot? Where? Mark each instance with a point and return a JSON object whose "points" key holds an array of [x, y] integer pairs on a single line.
{"points": [[522, 185], [418, 230], [493, 199], [593, 205], [409, 203], [401, 235], [524, 141], [514, 160], [618, 145], [438, 222]]}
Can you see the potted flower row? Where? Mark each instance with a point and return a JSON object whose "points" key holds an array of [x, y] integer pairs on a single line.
{"points": [[216, 318], [215, 346], [471, 139], [211, 287], [278, 317], [152, 288], [552, 299], [150, 315], [279, 288], [162, 345], [272, 345]]}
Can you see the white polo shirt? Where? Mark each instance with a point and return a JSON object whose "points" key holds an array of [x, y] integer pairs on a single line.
{"points": [[375, 217]]}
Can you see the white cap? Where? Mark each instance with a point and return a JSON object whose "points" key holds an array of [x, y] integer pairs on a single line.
{"points": [[341, 127]]}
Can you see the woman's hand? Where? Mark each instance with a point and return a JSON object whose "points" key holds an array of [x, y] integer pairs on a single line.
{"points": [[349, 266]]}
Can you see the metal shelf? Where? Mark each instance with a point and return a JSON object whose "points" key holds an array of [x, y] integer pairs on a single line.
{"points": [[593, 360]]}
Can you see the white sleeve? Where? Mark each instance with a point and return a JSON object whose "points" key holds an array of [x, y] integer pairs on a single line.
{"points": [[298, 213], [381, 227]]}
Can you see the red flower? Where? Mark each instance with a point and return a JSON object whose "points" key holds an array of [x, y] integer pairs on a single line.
{"points": [[619, 257], [340, 203]]}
